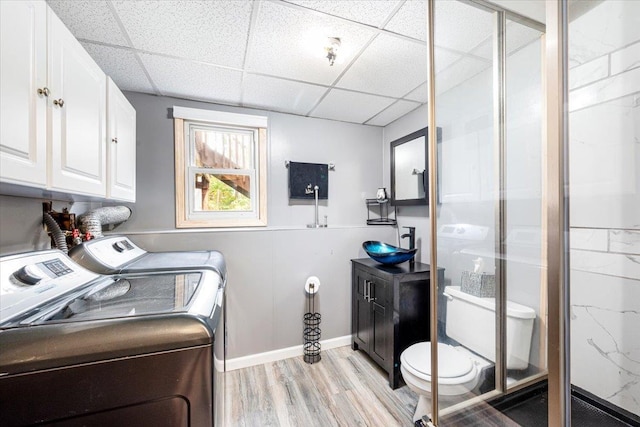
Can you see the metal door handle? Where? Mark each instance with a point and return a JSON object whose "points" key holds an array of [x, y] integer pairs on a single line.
{"points": [[44, 91], [367, 289], [58, 102]]}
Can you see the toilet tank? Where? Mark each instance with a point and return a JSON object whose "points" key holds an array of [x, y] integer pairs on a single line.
{"points": [[471, 321]]}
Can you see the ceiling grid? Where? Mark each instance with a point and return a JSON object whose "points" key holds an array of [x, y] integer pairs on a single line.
{"points": [[270, 54]]}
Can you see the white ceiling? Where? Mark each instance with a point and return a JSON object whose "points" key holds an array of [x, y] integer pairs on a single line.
{"points": [[269, 54]]}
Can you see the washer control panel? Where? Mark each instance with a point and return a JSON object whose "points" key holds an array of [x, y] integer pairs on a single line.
{"points": [[30, 279], [107, 254]]}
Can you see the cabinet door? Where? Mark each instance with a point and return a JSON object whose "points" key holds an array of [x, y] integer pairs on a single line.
{"points": [[361, 327], [121, 142], [23, 70], [381, 323], [77, 115]]}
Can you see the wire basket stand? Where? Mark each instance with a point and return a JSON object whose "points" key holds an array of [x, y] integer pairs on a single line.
{"points": [[311, 332]]}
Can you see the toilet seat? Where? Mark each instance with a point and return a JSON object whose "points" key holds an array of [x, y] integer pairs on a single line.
{"points": [[454, 367]]}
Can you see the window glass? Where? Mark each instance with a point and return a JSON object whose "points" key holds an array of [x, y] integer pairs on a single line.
{"points": [[220, 173], [222, 192]]}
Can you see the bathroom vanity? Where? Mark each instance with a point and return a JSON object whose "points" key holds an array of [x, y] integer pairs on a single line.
{"points": [[390, 310]]}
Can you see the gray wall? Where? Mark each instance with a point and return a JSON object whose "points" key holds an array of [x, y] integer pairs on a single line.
{"points": [[355, 150], [269, 266], [21, 227]]}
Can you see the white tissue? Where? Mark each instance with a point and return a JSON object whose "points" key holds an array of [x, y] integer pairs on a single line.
{"points": [[312, 280], [478, 265]]}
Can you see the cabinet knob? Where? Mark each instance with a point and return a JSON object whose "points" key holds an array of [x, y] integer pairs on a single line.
{"points": [[58, 102], [43, 91], [114, 140]]}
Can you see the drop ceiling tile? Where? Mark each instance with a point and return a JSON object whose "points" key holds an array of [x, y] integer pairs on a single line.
{"points": [[420, 94], [459, 26], [280, 95], [533, 9], [209, 31], [459, 72], [411, 20], [371, 12], [89, 20], [192, 80], [517, 36], [444, 59], [121, 65], [394, 112], [350, 106], [289, 42], [389, 66], [484, 49]]}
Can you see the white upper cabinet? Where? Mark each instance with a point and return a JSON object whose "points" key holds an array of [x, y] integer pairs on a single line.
{"points": [[121, 143], [23, 72], [77, 115], [53, 112]]}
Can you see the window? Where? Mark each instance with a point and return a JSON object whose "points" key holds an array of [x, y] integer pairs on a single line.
{"points": [[220, 169]]}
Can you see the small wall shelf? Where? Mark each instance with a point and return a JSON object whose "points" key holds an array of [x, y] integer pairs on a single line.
{"points": [[378, 212]]}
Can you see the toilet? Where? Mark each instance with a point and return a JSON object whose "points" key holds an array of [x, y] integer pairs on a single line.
{"points": [[470, 321]]}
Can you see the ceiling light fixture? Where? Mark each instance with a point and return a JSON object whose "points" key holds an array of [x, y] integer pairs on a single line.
{"points": [[332, 49]]}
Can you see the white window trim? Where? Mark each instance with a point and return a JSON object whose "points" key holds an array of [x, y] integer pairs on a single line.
{"points": [[185, 217], [220, 117]]}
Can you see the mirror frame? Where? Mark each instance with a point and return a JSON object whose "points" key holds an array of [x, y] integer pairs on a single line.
{"points": [[425, 175]]}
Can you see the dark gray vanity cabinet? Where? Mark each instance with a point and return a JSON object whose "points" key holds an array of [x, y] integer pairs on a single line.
{"points": [[390, 310]]}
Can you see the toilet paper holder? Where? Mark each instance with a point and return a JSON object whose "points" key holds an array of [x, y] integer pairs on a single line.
{"points": [[311, 322]]}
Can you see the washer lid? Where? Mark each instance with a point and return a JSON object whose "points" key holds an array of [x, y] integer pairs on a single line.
{"points": [[451, 362]]}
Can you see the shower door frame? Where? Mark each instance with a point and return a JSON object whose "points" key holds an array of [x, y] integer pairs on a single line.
{"points": [[555, 198], [557, 213]]}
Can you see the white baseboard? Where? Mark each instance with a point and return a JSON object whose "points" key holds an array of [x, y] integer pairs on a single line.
{"points": [[283, 353]]}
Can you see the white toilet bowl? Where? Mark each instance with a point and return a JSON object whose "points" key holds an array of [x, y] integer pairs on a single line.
{"points": [[458, 373]]}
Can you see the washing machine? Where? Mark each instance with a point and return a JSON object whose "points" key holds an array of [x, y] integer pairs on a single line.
{"points": [[118, 254], [80, 348]]}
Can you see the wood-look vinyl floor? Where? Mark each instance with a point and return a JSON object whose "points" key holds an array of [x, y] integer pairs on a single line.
{"points": [[345, 388]]}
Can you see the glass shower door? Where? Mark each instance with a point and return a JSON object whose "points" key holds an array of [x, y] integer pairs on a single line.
{"points": [[489, 214], [464, 105]]}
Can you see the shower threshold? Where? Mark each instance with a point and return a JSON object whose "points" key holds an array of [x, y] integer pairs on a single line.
{"points": [[528, 408]]}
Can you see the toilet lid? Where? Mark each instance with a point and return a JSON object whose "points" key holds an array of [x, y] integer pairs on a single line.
{"points": [[451, 363]]}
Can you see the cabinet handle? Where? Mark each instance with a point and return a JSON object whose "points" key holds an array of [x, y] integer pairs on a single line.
{"points": [[44, 91], [114, 140], [366, 290], [58, 102], [370, 298]]}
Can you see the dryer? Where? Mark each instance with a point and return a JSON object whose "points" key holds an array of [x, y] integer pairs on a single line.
{"points": [[79, 348]]}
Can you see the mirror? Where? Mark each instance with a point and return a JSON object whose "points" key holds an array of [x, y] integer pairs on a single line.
{"points": [[409, 168], [409, 177]]}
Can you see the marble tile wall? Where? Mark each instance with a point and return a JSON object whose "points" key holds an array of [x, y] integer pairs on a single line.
{"points": [[604, 166]]}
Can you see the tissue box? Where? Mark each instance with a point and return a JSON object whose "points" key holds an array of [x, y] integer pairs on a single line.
{"points": [[478, 284]]}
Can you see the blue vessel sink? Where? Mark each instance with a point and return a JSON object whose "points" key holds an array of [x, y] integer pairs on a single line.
{"points": [[387, 254]]}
